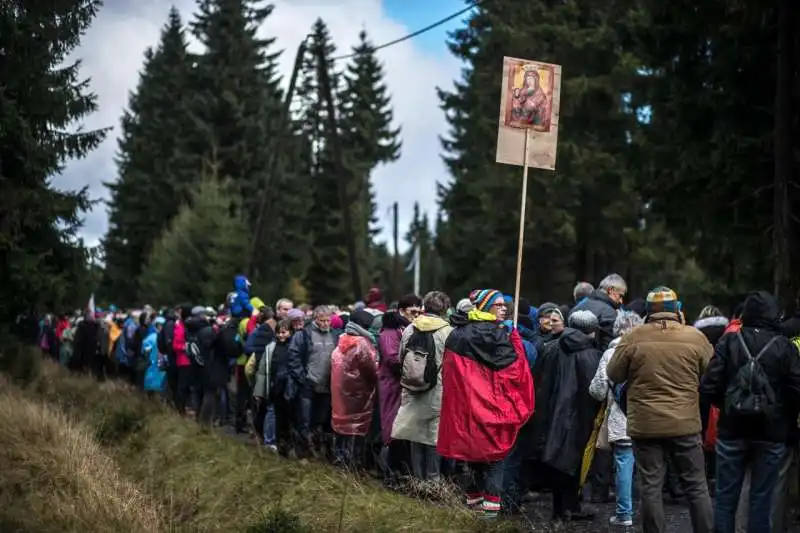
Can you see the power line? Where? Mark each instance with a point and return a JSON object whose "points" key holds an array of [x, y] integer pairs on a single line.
{"points": [[416, 33]]}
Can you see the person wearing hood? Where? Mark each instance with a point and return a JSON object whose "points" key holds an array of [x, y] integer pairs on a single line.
{"points": [[201, 336], [661, 363], [239, 299], [602, 389], [154, 375], [604, 303], [87, 337], [417, 419], [488, 395], [260, 344], [354, 380], [754, 378], [390, 391], [269, 388], [309, 383], [565, 411]]}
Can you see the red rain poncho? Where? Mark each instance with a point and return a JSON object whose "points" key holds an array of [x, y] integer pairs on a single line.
{"points": [[354, 379]]}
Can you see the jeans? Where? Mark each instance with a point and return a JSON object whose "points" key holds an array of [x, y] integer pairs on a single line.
{"points": [[349, 450], [424, 461], [624, 460], [314, 419], [686, 453], [486, 479], [270, 437], [780, 510], [733, 458], [514, 488]]}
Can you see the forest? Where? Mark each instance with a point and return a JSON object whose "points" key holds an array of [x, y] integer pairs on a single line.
{"points": [[677, 160]]}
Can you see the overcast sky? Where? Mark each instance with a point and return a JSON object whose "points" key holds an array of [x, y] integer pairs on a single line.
{"points": [[112, 54]]}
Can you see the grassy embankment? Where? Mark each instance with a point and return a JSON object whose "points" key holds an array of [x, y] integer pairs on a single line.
{"points": [[78, 456]]}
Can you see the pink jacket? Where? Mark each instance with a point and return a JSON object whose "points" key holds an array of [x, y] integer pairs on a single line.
{"points": [[179, 345]]}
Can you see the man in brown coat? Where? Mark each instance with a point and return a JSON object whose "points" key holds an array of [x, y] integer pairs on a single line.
{"points": [[661, 363]]}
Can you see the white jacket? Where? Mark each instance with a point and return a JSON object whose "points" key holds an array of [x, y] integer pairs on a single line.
{"points": [[600, 390]]}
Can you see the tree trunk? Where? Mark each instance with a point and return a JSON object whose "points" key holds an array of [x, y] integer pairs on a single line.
{"points": [[783, 158]]}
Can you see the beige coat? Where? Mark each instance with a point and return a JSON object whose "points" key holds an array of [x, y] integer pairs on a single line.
{"points": [[662, 362], [418, 417]]}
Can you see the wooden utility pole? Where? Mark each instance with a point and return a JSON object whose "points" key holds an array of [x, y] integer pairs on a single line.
{"points": [[783, 157], [272, 158], [326, 97], [396, 260]]}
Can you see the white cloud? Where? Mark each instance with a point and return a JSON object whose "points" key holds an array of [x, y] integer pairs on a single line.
{"points": [[112, 54]]}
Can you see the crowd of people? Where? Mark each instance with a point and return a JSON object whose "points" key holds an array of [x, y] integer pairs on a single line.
{"points": [[501, 397]]}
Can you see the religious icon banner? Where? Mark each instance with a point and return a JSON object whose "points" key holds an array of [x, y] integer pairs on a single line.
{"points": [[529, 103]]}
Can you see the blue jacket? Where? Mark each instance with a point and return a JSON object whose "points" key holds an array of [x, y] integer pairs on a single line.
{"points": [[240, 298], [153, 376], [528, 339]]}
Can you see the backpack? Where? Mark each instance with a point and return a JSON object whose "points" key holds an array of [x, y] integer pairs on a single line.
{"points": [[193, 349], [750, 393], [418, 369], [796, 342]]}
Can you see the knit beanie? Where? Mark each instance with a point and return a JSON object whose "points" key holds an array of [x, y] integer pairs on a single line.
{"points": [[547, 308], [662, 300], [362, 318], [484, 299], [295, 314], [583, 320]]}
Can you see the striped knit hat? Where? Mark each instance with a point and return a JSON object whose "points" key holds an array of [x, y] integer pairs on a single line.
{"points": [[484, 299], [662, 300]]}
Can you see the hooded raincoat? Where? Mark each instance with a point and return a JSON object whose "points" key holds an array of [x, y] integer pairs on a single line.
{"points": [[488, 390], [417, 419], [354, 380]]}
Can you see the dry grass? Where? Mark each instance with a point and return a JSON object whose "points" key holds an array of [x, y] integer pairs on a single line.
{"points": [[56, 477], [208, 482]]}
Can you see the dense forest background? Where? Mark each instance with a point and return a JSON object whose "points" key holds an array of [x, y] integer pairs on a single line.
{"points": [[677, 159]]}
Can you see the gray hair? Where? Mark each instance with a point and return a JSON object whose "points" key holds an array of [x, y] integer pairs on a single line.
{"points": [[626, 322], [581, 290], [613, 281], [709, 311], [436, 303], [322, 310], [283, 301], [465, 305]]}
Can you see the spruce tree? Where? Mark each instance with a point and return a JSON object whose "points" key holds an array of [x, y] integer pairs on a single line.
{"points": [[196, 258], [327, 276], [42, 99], [368, 139], [157, 169]]}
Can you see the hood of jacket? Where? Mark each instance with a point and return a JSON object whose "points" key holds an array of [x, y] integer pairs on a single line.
{"points": [[712, 322], [430, 323], [573, 341], [240, 283], [480, 337], [526, 333], [353, 336], [195, 323], [394, 320], [761, 310]]}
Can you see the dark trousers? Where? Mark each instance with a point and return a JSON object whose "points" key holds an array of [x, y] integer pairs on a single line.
{"points": [[486, 479], [350, 450], [210, 404], [425, 462], [733, 458], [600, 475], [314, 419], [241, 400], [183, 385], [565, 492], [687, 457], [395, 460]]}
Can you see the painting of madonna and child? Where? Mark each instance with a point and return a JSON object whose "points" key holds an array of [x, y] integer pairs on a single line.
{"points": [[528, 121], [530, 95]]}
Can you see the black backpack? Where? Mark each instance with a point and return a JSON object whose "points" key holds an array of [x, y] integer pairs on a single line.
{"points": [[193, 349], [418, 369], [750, 393]]}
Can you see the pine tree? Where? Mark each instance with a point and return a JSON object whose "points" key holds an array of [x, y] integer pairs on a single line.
{"points": [[196, 258], [327, 278], [368, 140], [42, 99], [157, 169]]}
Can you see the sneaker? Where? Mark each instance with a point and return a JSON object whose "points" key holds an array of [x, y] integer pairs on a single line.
{"points": [[272, 448], [620, 521]]}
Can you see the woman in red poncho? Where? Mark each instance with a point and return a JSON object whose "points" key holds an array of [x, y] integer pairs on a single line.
{"points": [[487, 396], [354, 387]]}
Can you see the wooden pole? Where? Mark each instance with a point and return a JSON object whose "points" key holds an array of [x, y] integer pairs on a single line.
{"points": [[396, 263], [521, 241], [265, 193], [326, 97]]}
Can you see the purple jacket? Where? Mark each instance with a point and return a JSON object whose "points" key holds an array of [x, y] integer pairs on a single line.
{"points": [[389, 371]]}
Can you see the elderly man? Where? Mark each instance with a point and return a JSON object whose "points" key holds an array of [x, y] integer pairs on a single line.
{"points": [[661, 364], [604, 303], [582, 291]]}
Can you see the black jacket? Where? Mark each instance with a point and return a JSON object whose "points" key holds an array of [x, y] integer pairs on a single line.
{"points": [[780, 362], [791, 326]]}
